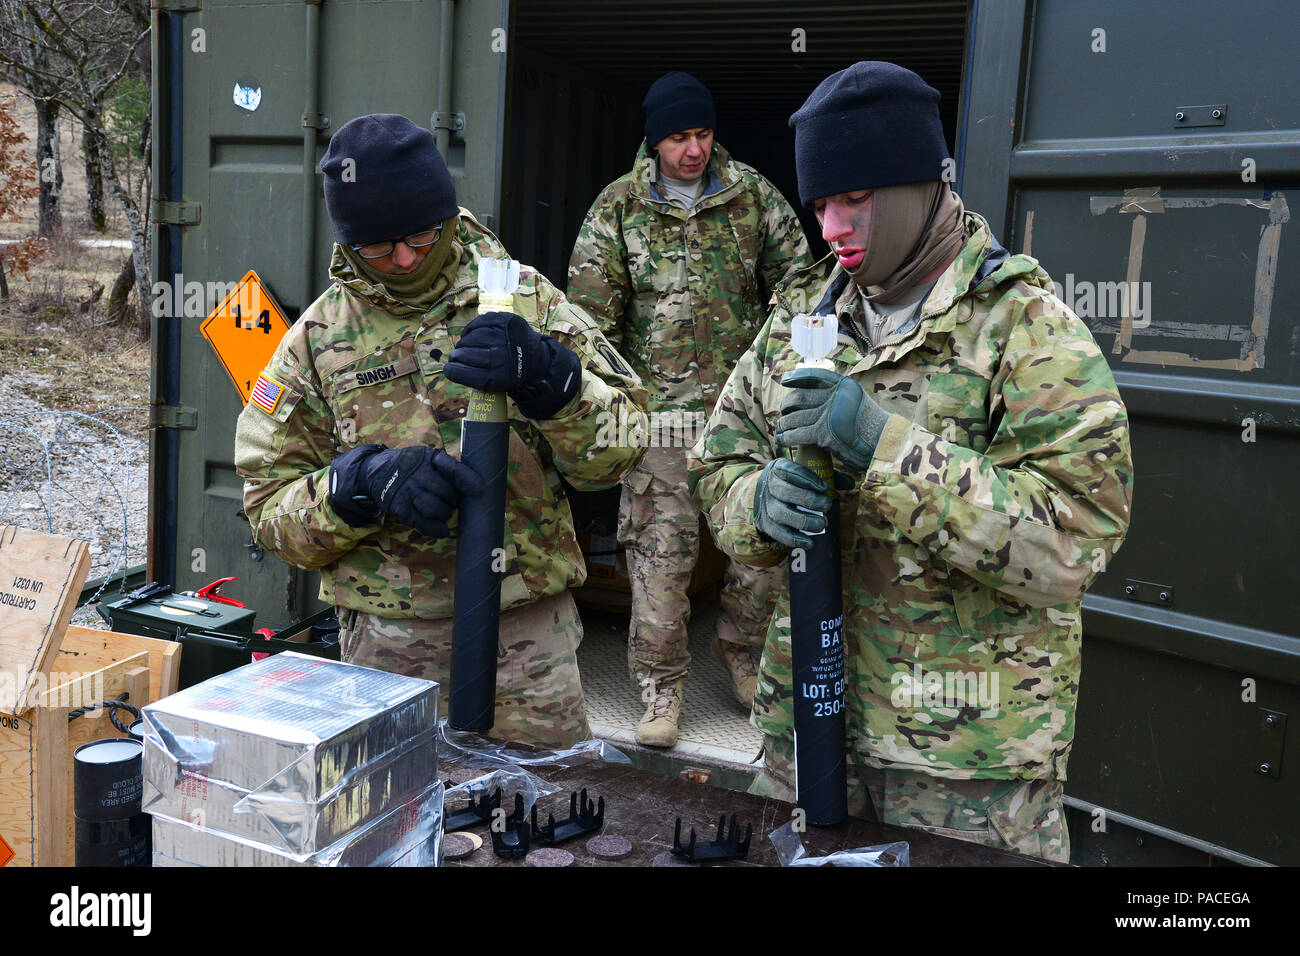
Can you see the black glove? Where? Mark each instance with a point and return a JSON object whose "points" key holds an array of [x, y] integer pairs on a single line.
{"points": [[500, 352], [417, 486]]}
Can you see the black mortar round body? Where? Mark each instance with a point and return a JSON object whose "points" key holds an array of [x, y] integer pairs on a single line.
{"points": [[107, 787]]}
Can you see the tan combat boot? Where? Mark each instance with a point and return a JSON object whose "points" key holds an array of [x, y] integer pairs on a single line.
{"points": [[739, 662], [658, 728]]}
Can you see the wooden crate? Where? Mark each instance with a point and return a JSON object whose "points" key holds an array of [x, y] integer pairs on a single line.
{"points": [[36, 745]]}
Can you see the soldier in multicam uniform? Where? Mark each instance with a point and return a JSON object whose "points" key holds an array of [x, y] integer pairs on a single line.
{"points": [[348, 454], [675, 261], [989, 478]]}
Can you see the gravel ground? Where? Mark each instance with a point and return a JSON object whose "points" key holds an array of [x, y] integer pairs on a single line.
{"points": [[74, 474]]}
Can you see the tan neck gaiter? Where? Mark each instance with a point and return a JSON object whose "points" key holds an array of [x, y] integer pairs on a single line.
{"points": [[431, 278], [915, 228]]}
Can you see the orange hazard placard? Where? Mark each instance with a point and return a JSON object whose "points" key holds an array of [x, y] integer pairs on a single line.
{"points": [[244, 331], [6, 852]]}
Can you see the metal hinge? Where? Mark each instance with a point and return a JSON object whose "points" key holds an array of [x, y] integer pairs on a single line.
{"points": [[177, 6], [315, 120], [452, 121], [176, 213], [173, 416]]}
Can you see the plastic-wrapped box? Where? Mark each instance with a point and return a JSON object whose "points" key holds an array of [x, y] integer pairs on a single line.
{"points": [[292, 752], [409, 834], [279, 820]]}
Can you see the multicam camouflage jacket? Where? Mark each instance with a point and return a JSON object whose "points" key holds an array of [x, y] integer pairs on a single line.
{"points": [[999, 489], [361, 367], [681, 292]]}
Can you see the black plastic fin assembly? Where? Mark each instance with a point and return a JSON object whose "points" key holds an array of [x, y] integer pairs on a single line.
{"points": [[584, 817], [511, 841], [728, 848], [478, 812]]}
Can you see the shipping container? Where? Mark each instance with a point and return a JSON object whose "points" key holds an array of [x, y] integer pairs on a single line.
{"points": [[1144, 152]]}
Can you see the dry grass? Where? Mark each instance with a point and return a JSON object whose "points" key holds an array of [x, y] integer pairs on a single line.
{"points": [[68, 360], [71, 271], [66, 277]]}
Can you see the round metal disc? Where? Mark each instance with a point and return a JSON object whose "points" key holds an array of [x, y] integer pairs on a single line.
{"points": [[549, 856], [609, 847], [667, 858], [457, 846]]}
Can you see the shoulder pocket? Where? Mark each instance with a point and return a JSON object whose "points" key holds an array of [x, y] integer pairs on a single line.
{"points": [[744, 218], [957, 409], [587, 341], [259, 437]]}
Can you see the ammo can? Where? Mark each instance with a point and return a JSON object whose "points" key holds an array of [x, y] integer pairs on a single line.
{"points": [[170, 615]]}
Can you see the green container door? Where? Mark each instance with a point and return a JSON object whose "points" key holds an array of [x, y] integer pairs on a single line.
{"points": [[1169, 230]]}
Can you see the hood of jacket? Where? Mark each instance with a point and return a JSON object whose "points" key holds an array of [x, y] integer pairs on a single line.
{"points": [[724, 180]]}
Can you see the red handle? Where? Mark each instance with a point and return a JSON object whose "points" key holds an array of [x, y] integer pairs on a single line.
{"points": [[213, 593]]}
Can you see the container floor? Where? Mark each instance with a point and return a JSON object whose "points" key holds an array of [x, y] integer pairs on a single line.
{"points": [[714, 729]]}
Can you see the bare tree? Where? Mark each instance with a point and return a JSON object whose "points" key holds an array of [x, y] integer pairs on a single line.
{"points": [[26, 64], [90, 45], [94, 179]]}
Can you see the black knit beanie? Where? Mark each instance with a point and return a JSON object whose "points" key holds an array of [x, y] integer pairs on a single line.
{"points": [[385, 178], [676, 101], [873, 124]]}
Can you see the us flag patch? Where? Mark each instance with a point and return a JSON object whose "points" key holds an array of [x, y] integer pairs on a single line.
{"points": [[266, 394]]}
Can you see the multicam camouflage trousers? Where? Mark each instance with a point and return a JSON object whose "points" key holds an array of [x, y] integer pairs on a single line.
{"points": [[1024, 816], [539, 693], [659, 525]]}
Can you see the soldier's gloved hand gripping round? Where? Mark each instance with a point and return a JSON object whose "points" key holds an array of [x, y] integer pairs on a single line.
{"points": [[832, 412], [500, 352], [418, 486], [790, 503]]}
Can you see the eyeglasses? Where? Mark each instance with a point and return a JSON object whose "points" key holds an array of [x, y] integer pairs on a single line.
{"points": [[416, 240]]}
